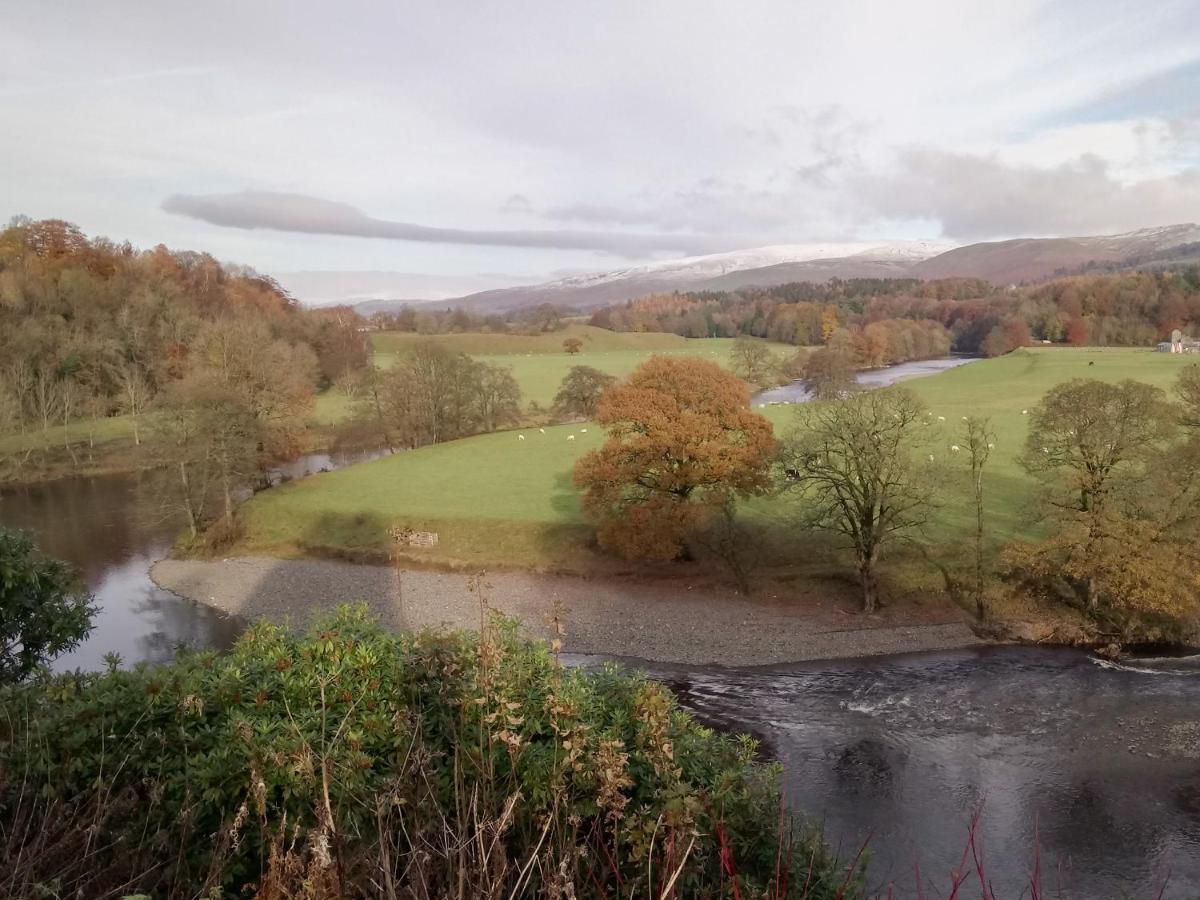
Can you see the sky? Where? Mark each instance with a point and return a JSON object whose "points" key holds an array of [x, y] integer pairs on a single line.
{"points": [[433, 149]]}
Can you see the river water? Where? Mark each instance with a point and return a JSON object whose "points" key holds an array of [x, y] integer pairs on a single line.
{"points": [[796, 393], [1094, 766], [1097, 766]]}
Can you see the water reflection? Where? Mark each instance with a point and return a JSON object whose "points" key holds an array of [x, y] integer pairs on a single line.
{"points": [[113, 528]]}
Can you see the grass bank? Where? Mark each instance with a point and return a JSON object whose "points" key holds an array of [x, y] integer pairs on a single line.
{"points": [[497, 499]]}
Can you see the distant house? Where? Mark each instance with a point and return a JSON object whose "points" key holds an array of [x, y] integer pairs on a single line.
{"points": [[1183, 345]]}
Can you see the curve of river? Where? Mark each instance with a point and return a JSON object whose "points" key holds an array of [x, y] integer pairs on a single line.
{"points": [[1103, 763], [796, 393]]}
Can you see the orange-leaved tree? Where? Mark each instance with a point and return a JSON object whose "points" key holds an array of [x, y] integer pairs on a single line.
{"points": [[682, 441]]}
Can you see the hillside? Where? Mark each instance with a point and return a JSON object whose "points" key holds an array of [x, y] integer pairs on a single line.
{"points": [[1037, 259], [1018, 261]]}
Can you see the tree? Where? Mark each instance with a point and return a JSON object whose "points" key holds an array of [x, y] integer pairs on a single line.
{"points": [[208, 441], [752, 361], [1187, 389], [572, 345], [851, 461], [498, 397], [580, 392], [135, 392], [1085, 433], [682, 441], [829, 374], [44, 610], [978, 440], [1097, 447]]}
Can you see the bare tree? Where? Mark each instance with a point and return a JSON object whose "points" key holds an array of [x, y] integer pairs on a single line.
{"points": [[851, 461], [979, 440]]}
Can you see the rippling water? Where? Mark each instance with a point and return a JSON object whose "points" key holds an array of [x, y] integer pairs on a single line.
{"points": [[1098, 765]]}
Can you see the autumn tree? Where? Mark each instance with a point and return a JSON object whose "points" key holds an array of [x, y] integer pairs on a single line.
{"points": [[682, 441], [1118, 489], [852, 464], [579, 394], [572, 345], [829, 374], [752, 361]]}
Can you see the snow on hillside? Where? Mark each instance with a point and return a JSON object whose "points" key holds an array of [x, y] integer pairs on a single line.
{"points": [[698, 268]]}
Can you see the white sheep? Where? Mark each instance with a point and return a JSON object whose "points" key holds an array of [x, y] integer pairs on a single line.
{"points": [[991, 446], [520, 437], [583, 431], [954, 448], [1024, 412], [931, 457], [542, 430], [941, 418], [570, 437], [1044, 450]]}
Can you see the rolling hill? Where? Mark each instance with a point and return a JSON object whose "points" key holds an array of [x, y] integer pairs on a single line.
{"points": [[1018, 261]]}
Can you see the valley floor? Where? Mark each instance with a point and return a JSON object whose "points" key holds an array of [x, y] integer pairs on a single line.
{"points": [[664, 620]]}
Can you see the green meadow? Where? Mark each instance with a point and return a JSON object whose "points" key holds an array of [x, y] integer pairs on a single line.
{"points": [[539, 364], [498, 499]]}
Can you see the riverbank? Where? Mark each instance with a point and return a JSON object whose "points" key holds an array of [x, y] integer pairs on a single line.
{"points": [[662, 620]]}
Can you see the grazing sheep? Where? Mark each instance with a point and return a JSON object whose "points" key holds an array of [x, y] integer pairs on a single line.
{"points": [[1024, 412], [583, 431], [931, 457], [520, 437], [941, 418], [570, 437], [542, 430], [954, 447], [991, 446]]}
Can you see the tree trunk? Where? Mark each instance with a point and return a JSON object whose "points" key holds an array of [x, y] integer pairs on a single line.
{"points": [[137, 438], [870, 587], [187, 499]]}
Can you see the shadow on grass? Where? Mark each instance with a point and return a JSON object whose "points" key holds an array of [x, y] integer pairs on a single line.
{"points": [[351, 537]]}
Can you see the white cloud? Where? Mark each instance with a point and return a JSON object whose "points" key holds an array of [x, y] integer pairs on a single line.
{"points": [[772, 121]]}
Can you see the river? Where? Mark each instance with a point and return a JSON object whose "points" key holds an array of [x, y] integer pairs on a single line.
{"points": [[1097, 766], [795, 392], [1101, 764]]}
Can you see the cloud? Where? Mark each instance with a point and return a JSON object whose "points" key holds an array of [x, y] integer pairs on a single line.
{"points": [[313, 215], [977, 197]]}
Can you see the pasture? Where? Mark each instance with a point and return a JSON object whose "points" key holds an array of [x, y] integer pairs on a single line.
{"points": [[497, 499], [539, 363]]}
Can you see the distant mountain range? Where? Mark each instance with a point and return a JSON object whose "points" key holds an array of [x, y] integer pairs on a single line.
{"points": [[1019, 261]]}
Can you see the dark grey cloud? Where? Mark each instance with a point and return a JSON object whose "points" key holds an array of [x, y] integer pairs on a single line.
{"points": [[313, 215], [978, 197]]}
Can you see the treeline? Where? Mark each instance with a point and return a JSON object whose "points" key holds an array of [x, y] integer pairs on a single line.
{"points": [[433, 394], [544, 317], [1123, 309], [90, 328]]}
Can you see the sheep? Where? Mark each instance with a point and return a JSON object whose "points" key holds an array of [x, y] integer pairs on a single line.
{"points": [[570, 437], [954, 447], [583, 431], [520, 437], [941, 418], [1024, 412], [542, 430]]}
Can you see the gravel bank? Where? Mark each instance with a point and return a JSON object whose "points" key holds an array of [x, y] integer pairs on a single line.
{"points": [[664, 621]]}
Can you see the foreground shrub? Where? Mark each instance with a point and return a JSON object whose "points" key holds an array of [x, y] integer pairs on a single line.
{"points": [[354, 762]]}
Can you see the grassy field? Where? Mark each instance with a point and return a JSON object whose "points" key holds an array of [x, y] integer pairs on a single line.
{"points": [[539, 364], [496, 498]]}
